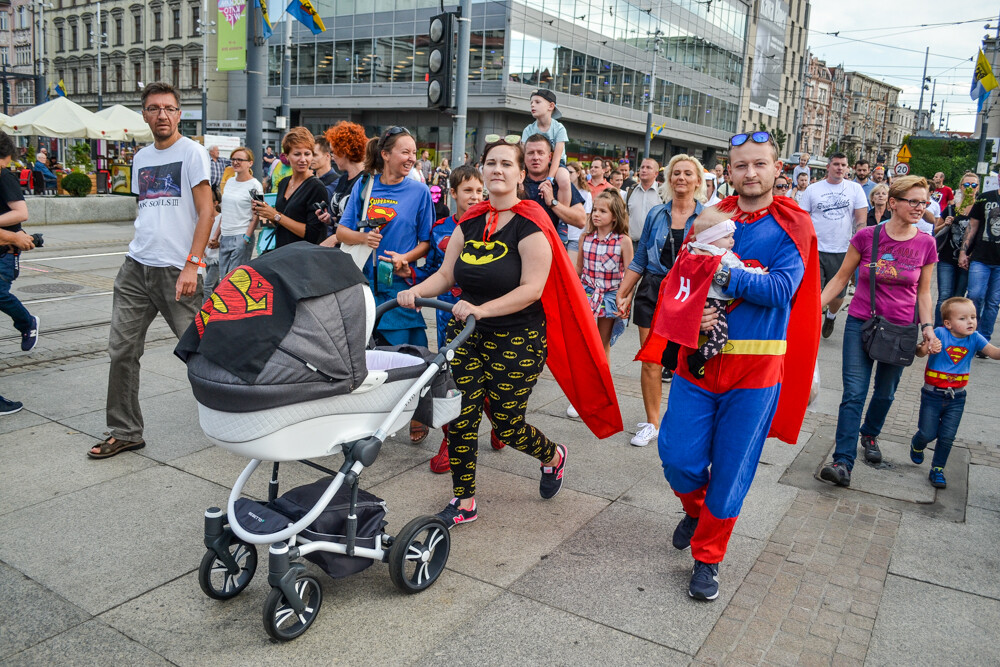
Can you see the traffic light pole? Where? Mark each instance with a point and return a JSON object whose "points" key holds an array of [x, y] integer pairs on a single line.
{"points": [[256, 69], [462, 83]]}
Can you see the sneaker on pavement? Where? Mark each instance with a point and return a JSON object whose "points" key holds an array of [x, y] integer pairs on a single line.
{"points": [[872, 453], [667, 375], [30, 338], [441, 462], [496, 442], [704, 581], [937, 478], [453, 515], [572, 413], [645, 433], [828, 326], [9, 407], [684, 532], [916, 455], [552, 476], [837, 473]]}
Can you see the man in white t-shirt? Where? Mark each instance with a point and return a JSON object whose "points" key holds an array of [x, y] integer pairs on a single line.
{"points": [[160, 273], [838, 208]]}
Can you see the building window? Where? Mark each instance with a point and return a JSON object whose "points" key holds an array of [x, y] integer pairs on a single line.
{"points": [[88, 34], [90, 79], [175, 72], [195, 74], [25, 92], [4, 22], [195, 18], [5, 55], [119, 32], [137, 37], [60, 39], [23, 54], [119, 78], [137, 73], [176, 16], [157, 73], [104, 80], [157, 25], [76, 80], [74, 44]]}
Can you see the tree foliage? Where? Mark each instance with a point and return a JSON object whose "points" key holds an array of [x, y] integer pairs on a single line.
{"points": [[953, 157]]}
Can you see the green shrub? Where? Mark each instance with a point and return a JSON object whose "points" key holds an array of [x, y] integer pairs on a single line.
{"points": [[77, 184]]}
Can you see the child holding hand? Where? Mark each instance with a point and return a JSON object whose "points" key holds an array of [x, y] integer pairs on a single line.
{"points": [[942, 399]]}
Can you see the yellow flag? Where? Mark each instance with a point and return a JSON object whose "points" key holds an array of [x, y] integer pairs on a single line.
{"points": [[983, 80]]}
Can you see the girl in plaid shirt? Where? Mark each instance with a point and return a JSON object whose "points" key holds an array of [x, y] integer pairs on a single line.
{"points": [[605, 251]]}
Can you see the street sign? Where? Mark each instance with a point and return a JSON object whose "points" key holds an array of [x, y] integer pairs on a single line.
{"points": [[901, 168], [904, 154]]}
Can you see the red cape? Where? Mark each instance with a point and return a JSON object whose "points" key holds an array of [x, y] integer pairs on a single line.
{"points": [[803, 323], [681, 301], [575, 351]]}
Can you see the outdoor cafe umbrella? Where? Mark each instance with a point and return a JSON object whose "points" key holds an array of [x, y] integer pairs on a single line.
{"points": [[127, 125], [61, 119]]}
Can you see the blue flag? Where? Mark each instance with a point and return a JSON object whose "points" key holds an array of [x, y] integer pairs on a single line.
{"points": [[61, 88], [304, 11], [265, 25]]}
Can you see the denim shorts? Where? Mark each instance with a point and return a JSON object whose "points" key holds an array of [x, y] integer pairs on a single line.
{"points": [[573, 246]]}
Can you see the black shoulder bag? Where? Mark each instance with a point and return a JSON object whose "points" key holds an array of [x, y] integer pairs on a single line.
{"points": [[884, 341]]}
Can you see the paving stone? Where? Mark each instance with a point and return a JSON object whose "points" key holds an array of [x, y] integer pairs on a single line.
{"points": [[984, 487], [30, 614], [91, 643]]}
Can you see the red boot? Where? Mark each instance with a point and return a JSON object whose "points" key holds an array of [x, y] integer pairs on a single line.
{"points": [[441, 463]]}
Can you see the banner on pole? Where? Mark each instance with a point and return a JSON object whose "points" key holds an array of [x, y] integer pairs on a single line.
{"points": [[232, 32]]}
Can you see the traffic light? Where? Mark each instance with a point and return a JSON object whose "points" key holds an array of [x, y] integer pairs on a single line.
{"points": [[442, 46], [6, 92]]}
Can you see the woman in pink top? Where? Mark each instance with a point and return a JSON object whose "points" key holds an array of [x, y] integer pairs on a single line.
{"points": [[903, 271]]}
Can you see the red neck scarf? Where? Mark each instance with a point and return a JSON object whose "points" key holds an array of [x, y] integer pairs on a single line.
{"points": [[493, 219]]}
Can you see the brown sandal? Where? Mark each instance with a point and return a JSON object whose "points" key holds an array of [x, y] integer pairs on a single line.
{"points": [[418, 432], [109, 449]]}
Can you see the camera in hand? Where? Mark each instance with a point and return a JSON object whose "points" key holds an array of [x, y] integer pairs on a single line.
{"points": [[320, 207], [38, 240]]}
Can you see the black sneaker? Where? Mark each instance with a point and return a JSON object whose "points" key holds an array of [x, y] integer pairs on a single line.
{"points": [[453, 515], [872, 453], [837, 473], [684, 532], [9, 407], [29, 338], [704, 581], [552, 476], [667, 375], [828, 326]]}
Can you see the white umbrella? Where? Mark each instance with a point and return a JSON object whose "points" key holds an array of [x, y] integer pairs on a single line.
{"points": [[128, 125], [59, 118]]}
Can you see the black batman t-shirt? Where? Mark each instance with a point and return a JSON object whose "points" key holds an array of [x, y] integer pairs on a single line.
{"points": [[487, 270]]}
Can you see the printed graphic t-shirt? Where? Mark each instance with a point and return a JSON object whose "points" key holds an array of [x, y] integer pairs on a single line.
{"points": [[950, 367], [897, 274], [163, 179], [403, 213], [488, 269], [987, 248], [832, 210]]}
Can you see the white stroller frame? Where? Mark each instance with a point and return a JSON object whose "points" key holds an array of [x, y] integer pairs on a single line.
{"points": [[295, 596]]}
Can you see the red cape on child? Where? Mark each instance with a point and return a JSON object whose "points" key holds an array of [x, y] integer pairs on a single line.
{"points": [[585, 376], [803, 322]]}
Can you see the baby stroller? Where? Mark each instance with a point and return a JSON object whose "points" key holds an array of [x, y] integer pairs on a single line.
{"points": [[322, 391]]}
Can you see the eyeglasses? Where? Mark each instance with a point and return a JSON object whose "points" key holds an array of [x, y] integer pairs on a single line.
{"points": [[914, 203], [970, 185], [238, 159], [507, 139], [756, 137], [780, 187], [156, 111]]}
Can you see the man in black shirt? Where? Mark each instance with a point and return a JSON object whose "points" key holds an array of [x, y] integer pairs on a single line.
{"points": [[321, 164], [13, 211], [537, 158]]}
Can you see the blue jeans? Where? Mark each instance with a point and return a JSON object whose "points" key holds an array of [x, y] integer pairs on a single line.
{"points": [[857, 374], [952, 281], [940, 415], [984, 290], [9, 303]]}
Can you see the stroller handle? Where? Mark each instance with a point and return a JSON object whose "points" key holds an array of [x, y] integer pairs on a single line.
{"points": [[470, 321]]}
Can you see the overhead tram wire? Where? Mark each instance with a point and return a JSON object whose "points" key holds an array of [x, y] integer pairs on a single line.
{"points": [[919, 25]]}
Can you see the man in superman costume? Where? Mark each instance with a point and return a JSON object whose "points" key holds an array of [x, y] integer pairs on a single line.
{"points": [[714, 428]]}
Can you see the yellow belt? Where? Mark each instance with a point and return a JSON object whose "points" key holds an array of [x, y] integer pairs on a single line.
{"points": [[946, 376], [752, 347]]}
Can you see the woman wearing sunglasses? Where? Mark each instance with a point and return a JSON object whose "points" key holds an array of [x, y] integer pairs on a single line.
{"points": [[781, 185], [903, 270], [502, 264], [953, 280]]}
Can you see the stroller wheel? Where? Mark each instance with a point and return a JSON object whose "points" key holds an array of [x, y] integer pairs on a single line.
{"points": [[280, 619], [216, 579], [419, 553]]}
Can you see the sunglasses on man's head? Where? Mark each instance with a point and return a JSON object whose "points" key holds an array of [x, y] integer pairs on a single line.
{"points": [[756, 137], [508, 139]]}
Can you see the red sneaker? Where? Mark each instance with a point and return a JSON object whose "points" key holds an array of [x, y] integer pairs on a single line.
{"points": [[495, 441], [441, 463]]}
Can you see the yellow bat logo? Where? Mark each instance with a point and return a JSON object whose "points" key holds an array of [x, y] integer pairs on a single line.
{"points": [[483, 252]]}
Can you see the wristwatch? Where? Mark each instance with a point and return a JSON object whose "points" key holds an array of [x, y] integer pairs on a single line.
{"points": [[554, 202], [197, 261], [721, 277], [925, 325], [277, 218]]}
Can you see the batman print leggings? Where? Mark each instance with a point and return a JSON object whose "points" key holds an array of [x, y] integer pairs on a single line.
{"points": [[505, 366]]}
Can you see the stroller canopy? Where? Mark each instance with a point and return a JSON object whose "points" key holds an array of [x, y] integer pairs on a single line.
{"points": [[288, 327]]}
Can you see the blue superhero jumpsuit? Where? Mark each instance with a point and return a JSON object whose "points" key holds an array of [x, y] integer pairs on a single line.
{"points": [[714, 429]]}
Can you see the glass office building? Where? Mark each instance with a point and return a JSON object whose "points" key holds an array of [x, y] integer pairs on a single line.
{"points": [[597, 55]]}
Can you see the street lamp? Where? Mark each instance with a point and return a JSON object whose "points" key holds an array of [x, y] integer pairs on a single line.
{"points": [[205, 28], [40, 7], [657, 37], [102, 41]]}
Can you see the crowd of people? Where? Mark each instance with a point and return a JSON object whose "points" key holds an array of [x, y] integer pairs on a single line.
{"points": [[723, 272]]}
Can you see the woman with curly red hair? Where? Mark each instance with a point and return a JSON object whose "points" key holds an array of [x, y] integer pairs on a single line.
{"points": [[293, 214], [347, 145]]}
